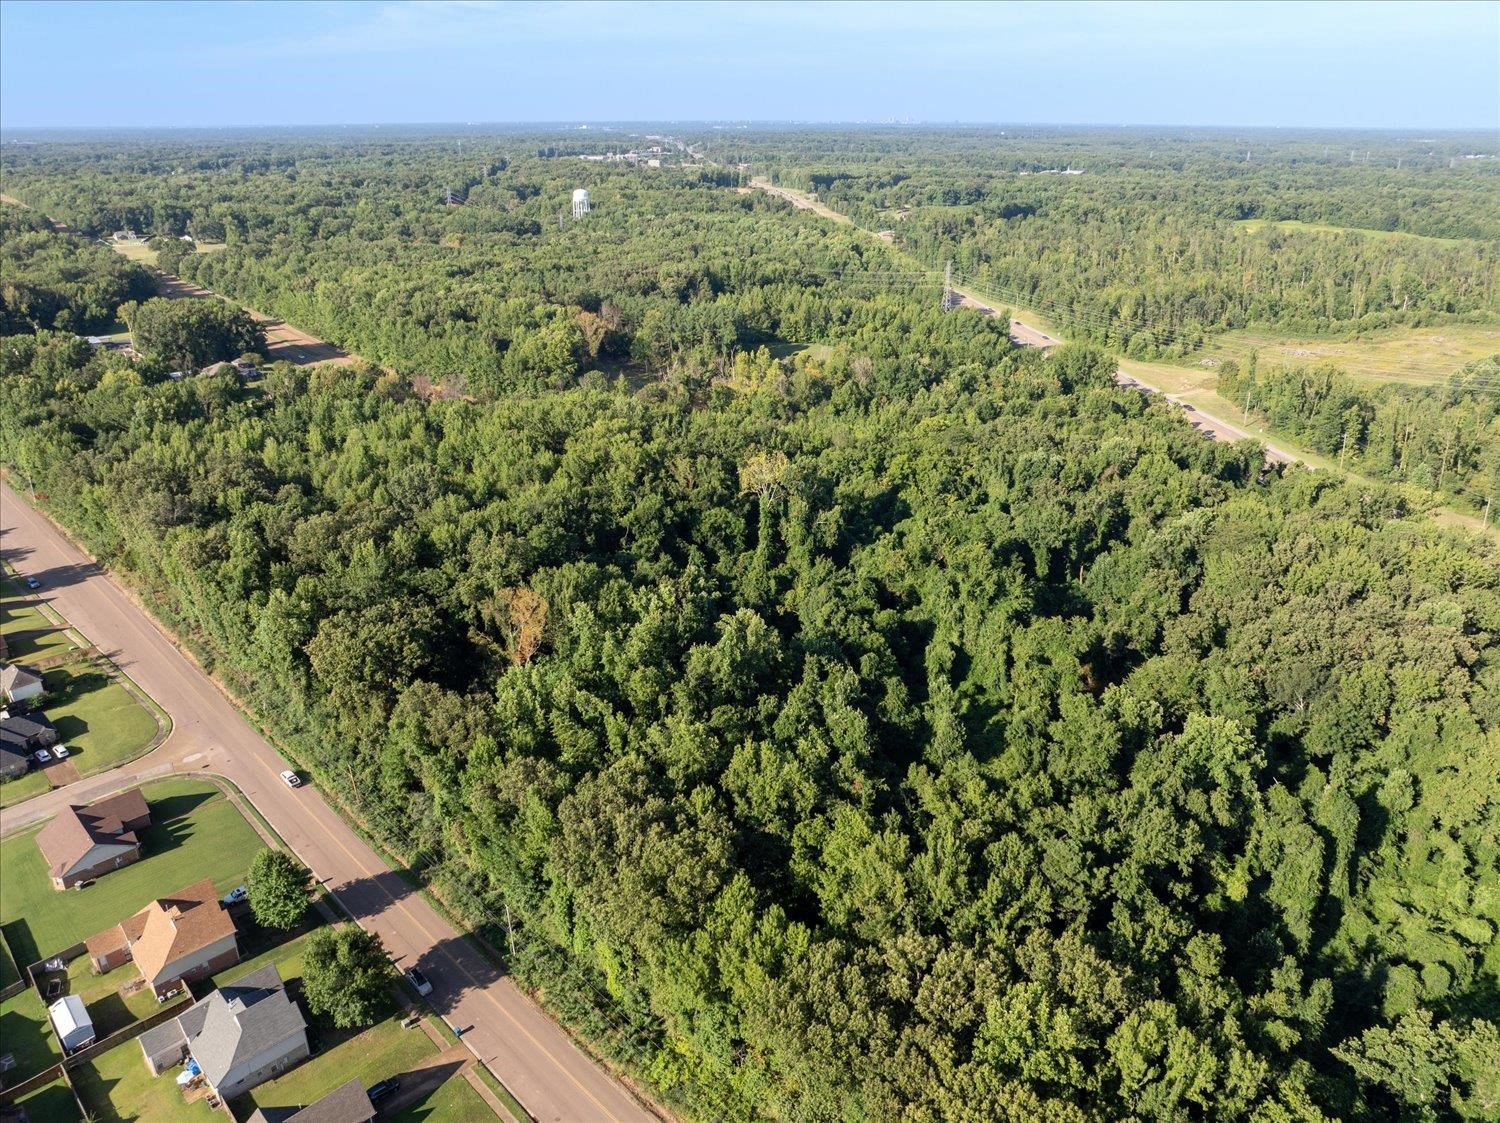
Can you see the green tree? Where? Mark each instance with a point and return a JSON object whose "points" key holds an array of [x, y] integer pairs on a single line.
{"points": [[346, 975], [278, 889]]}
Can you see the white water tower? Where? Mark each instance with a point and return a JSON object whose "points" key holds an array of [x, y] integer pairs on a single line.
{"points": [[580, 202]]}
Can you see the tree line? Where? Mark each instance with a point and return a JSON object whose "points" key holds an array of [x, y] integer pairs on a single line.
{"points": [[858, 717]]}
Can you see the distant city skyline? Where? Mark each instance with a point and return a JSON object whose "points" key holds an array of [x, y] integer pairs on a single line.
{"points": [[1360, 65]]}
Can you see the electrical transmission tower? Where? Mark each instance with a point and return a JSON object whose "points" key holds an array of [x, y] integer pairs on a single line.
{"points": [[950, 302]]}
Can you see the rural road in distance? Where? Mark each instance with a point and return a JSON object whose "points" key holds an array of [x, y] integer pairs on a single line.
{"points": [[529, 1052]]}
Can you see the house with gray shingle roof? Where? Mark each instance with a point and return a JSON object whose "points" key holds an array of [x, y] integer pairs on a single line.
{"points": [[239, 1036], [348, 1103], [18, 684]]}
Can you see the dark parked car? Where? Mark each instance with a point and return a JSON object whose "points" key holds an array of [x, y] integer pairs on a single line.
{"points": [[383, 1089]]}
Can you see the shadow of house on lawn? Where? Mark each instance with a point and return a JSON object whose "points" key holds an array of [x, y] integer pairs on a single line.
{"points": [[168, 828], [417, 1084], [109, 1014], [22, 946], [95, 1092]]}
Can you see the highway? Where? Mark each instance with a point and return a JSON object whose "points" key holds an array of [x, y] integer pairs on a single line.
{"points": [[508, 1032]]}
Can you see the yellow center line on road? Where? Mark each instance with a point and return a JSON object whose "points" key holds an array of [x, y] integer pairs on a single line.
{"points": [[437, 939]]}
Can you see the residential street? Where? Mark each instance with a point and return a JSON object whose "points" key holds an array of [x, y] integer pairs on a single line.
{"points": [[533, 1057]]}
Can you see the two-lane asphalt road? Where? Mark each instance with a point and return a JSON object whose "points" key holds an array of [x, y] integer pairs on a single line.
{"points": [[535, 1059]]}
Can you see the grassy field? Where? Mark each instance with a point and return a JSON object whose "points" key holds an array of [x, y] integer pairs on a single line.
{"points": [[53, 1103], [1417, 356], [141, 253], [98, 719], [195, 833], [117, 1088], [24, 1035], [1256, 225]]}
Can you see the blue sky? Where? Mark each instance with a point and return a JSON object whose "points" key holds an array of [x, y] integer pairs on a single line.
{"points": [[242, 63]]}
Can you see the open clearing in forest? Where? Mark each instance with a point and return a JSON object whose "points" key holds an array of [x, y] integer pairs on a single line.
{"points": [[1416, 356], [1256, 225]]}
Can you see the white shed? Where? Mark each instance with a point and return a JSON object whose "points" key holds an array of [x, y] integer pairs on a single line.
{"points": [[71, 1020]]}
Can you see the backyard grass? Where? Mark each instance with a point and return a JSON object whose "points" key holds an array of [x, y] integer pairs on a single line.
{"points": [[24, 1034], [117, 1088], [383, 1050], [98, 719], [195, 833], [386, 1050], [108, 1009], [52, 1103], [287, 957], [9, 972]]}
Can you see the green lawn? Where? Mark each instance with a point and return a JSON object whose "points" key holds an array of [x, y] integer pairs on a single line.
{"points": [[384, 1050], [195, 833], [452, 1101], [98, 719], [117, 1088], [109, 1009], [9, 972], [19, 615], [23, 788], [287, 957], [53, 1103], [24, 1034]]}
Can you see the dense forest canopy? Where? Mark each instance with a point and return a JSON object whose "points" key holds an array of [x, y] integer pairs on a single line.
{"points": [[862, 718], [48, 280]]}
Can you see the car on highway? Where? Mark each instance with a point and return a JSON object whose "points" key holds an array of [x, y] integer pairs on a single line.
{"points": [[383, 1089], [236, 895], [33, 583], [61, 752], [291, 779], [418, 981]]}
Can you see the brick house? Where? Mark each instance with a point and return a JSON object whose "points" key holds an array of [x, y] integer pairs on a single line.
{"points": [[174, 940], [82, 843]]}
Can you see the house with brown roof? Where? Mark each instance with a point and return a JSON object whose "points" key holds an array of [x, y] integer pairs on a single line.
{"points": [[82, 843], [174, 940]]}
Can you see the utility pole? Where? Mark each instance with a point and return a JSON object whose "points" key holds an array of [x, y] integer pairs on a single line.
{"points": [[509, 931], [1343, 449], [1487, 503]]}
